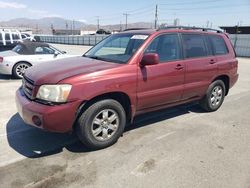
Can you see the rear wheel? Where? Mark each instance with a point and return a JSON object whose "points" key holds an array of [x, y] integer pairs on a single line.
{"points": [[101, 124], [19, 69], [214, 96]]}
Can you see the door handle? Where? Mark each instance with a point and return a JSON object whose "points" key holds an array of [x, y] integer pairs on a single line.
{"points": [[179, 67], [212, 61]]}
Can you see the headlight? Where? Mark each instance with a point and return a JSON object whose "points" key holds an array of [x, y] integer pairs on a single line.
{"points": [[54, 93]]}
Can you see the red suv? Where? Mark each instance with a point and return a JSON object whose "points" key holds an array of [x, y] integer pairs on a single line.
{"points": [[124, 75]]}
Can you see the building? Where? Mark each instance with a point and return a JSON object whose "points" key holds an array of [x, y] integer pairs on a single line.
{"points": [[236, 29], [66, 32]]}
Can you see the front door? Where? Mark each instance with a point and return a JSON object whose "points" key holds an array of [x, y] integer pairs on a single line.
{"points": [[162, 83]]}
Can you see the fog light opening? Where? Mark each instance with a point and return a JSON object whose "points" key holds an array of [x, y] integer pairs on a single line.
{"points": [[37, 121]]}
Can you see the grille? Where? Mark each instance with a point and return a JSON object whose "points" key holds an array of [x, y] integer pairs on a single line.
{"points": [[28, 87]]}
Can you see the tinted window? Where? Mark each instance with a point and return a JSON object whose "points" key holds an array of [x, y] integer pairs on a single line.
{"points": [[15, 36], [166, 46], [218, 45], [1, 38], [18, 49], [24, 36], [7, 36], [194, 45]]}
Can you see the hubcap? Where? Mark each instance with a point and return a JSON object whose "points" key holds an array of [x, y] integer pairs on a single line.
{"points": [[216, 95], [105, 124], [20, 69]]}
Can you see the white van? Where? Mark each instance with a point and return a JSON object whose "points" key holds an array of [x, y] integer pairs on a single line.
{"points": [[9, 38]]}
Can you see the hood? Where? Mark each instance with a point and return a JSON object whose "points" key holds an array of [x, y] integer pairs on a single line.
{"points": [[55, 71], [8, 53]]}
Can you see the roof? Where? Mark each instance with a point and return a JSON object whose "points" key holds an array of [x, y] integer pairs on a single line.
{"points": [[28, 47], [140, 31], [171, 29]]}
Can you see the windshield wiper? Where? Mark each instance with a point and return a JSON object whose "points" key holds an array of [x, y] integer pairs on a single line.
{"points": [[104, 59]]}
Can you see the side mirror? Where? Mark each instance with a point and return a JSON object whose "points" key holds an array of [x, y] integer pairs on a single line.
{"points": [[63, 52], [56, 54], [149, 59]]}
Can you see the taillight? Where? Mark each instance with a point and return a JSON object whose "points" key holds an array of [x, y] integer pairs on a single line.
{"points": [[1, 59]]}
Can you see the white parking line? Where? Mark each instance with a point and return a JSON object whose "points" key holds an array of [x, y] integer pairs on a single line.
{"points": [[165, 135]]}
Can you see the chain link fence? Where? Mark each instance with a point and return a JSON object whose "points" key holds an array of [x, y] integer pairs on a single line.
{"points": [[241, 42], [89, 40]]}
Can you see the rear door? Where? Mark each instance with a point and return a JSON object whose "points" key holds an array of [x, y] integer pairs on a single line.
{"points": [[162, 83], [200, 64]]}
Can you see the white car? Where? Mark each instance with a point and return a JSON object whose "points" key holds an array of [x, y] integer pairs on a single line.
{"points": [[25, 54]]}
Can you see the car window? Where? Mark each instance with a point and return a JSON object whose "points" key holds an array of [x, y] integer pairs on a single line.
{"points": [[194, 45], [166, 46], [7, 36], [44, 50], [24, 36], [118, 48], [15, 36], [218, 45], [18, 49]]}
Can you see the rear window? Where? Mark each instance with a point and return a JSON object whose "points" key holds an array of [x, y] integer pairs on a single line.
{"points": [[194, 45], [219, 46]]}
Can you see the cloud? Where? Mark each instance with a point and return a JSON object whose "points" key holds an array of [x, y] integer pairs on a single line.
{"points": [[43, 13], [14, 5], [82, 20], [34, 11]]}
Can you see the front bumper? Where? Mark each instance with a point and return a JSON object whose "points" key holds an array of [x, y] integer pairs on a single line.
{"points": [[57, 118]]}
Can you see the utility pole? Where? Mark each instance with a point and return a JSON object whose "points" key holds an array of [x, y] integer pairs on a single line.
{"points": [[126, 22], [207, 24], [156, 15], [73, 27], [98, 23], [120, 25]]}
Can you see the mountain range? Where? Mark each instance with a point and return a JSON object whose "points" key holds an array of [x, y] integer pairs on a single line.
{"points": [[44, 25]]}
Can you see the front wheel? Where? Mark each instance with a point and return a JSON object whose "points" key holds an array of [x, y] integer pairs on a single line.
{"points": [[19, 69], [214, 97], [101, 124]]}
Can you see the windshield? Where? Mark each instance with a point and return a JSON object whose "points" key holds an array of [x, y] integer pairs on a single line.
{"points": [[117, 48]]}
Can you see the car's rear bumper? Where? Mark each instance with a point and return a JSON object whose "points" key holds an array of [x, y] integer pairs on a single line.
{"points": [[57, 118], [5, 69]]}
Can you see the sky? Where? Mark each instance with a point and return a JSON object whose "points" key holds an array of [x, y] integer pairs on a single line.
{"points": [[190, 12]]}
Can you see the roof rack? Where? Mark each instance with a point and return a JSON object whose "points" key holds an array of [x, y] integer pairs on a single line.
{"points": [[190, 28], [140, 28]]}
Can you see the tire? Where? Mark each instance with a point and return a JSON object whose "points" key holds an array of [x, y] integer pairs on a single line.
{"points": [[214, 97], [19, 69], [96, 127]]}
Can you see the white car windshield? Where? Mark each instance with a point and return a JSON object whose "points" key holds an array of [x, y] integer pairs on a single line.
{"points": [[117, 48]]}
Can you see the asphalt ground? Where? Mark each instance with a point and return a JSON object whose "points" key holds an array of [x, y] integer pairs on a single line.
{"points": [[177, 147]]}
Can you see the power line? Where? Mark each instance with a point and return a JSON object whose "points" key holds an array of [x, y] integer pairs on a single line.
{"points": [[206, 7], [190, 3]]}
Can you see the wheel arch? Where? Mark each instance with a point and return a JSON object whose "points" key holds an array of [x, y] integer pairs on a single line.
{"points": [[225, 78], [120, 97], [20, 62]]}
